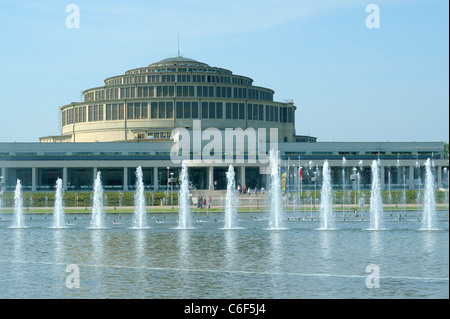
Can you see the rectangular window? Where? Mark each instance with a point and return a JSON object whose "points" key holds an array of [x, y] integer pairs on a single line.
{"points": [[191, 91], [171, 91], [144, 114], [199, 91], [261, 112], [276, 114], [235, 111], [219, 110], [212, 110], [195, 110], [228, 111], [187, 110], [169, 110], [250, 111], [154, 110], [121, 111], [108, 112], [114, 115], [95, 113], [137, 111], [241, 111], [162, 110], [130, 111], [204, 110], [84, 113], [179, 111], [77, 113], [267, 112]]}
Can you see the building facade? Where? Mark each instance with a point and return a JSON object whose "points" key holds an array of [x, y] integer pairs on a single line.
{"points": [[149, 102], [135, 120], [38, 165]]}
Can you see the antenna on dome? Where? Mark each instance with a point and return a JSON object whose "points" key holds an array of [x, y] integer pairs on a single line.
{"points": [[178, 55]]}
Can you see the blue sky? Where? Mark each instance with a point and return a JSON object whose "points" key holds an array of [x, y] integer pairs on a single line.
{"points": [[350, 83]]}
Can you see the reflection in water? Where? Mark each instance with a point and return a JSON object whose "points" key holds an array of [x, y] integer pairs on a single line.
{"points": [[18, 251], [59, 251], [97, 245], [376, 245], [276, 252], [230, 262], [230, 248], [275, 261], [184, 261], [325, 244], [139, 246], [429, 241], [184, 237], [209, 262]]}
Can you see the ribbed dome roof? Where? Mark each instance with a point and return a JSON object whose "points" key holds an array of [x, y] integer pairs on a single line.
{"points": [[179, 61]]}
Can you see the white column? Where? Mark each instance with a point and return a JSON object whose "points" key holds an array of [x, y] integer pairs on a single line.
{"points": [[242, 173], [411, 177], [155, 178], [33, 179], [3, 177], [65, 177], [125, 179], [3, 173], [439, 176], [95, 176], [211, 178]]}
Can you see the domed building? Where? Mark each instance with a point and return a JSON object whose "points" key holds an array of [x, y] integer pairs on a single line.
{"points": [[146, 117], [148, 103]]}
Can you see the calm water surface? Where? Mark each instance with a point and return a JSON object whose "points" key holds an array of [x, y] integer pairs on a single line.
{"points": [[209, 262]]}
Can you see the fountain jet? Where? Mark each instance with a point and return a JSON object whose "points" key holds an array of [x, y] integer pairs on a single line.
{"points": [[18, 206], [231, 200], [184, 214], [58, 210], [376, 202], [97, 209], [140, 212], [276, 207], [326, 200], [429, 201]]}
